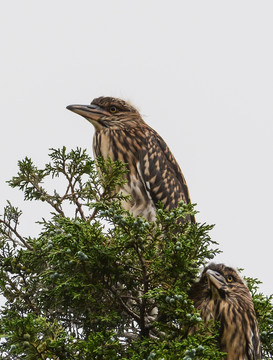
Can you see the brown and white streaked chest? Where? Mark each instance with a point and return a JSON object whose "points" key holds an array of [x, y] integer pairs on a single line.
{"points": [[102, 145], [119, 144], [124, 146]]}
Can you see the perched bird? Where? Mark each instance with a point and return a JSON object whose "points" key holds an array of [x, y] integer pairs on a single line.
{"points": [[221, 295], [121, 134]]}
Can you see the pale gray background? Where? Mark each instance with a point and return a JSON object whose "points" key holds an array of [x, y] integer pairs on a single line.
{"points": [[201, 72]]}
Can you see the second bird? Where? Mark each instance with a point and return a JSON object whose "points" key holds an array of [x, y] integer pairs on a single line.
{"points": [[121, 134]]}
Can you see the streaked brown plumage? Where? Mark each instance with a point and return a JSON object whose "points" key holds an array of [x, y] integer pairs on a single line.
{"points": [[121, 134], [221, 295]]}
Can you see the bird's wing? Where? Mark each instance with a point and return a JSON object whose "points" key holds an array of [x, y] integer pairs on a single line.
{"points": [[160, 172]]}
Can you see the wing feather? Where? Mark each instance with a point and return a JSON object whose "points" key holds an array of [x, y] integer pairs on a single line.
{"points": [[161, 173]]}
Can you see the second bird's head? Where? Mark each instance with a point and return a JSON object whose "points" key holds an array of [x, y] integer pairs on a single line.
{"points": [[223, 283], [109, 112]]}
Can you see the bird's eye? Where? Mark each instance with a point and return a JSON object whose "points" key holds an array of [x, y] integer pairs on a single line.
{"points": [[229, 278], [113, 109]]}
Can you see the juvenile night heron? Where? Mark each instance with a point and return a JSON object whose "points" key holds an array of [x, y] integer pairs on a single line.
{"points": [[121, 134], [221, 295]]}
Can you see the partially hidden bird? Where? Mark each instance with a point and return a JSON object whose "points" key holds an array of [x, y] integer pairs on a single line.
{"points": [[221, 295], [121, 134]]}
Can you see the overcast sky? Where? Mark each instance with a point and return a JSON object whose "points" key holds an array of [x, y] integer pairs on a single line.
{"points": [[200, 72]]}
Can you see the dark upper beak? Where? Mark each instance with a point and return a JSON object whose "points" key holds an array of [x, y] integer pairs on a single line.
{"points": [[215, 284], [90, 112], [216, 279]]}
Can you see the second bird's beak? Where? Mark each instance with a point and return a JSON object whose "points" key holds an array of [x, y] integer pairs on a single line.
{"points": [[92, 113], [215, 282], [215, 278]]}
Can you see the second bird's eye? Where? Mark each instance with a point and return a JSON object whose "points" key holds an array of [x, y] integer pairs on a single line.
{"points": [[113, 109], [229, 278]]}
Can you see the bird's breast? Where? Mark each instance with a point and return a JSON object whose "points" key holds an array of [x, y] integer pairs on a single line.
{"points": [[118, 146], [102, 145], [141, 203]]}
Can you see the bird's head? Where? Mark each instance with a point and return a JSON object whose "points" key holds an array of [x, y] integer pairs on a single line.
{"points": [[221, 282], [108, 112], [221, 295]]}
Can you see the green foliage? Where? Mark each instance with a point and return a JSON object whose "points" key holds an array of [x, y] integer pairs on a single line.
{"points": [[103, 284]]}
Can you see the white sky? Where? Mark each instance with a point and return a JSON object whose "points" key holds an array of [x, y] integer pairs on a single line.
{"points": [[201, 72]]}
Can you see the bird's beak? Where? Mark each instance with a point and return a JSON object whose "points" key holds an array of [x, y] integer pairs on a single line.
{"points": [[215, 281], [92, 113]]}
